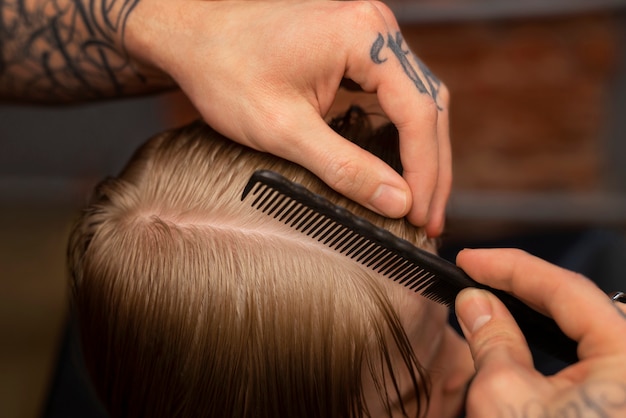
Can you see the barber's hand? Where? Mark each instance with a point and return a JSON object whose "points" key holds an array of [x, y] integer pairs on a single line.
{"points": [[506, 384], [265, 73]]}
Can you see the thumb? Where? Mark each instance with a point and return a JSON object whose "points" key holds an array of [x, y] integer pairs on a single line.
{"points": [[350, 170], [505, 374], [494, 338]]}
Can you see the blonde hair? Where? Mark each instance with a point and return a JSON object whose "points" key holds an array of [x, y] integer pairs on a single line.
{"points": [[192, 304]]}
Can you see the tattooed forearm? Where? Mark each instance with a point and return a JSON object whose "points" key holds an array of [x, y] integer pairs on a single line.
{"points": [[592, 400], [426, 82], [64, 50]]}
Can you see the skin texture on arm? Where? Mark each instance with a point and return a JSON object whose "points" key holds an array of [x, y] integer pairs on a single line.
{"points": [[593, 387], [263, 73], [69, 50]]}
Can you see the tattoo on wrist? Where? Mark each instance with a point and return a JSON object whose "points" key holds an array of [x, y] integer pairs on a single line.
{"points": [[602, 399], [424, 80], [55, 50]]}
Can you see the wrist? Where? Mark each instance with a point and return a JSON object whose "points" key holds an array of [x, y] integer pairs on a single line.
{"points": [[144, 39], [161, 34]]}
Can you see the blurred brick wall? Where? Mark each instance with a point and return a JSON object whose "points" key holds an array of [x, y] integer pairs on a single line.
{"points": [[529, 98]]}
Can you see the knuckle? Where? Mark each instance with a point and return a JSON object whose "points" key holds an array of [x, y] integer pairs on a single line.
{"points": [[488, 340], [426, 109], [344, 175], [384, 10], [373, 14]]}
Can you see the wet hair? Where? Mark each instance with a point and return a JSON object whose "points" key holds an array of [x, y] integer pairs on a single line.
{"points": [[192, 304]]}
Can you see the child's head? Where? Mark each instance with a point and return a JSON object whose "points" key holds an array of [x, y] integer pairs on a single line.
{"points": [[192, 304]]}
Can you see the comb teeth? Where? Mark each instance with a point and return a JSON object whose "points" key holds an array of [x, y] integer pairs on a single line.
{"points": [[395, 258], [341, 231]]}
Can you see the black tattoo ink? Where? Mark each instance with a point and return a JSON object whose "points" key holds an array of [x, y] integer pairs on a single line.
{"points": [[65, 49], [593, 400], [434, 83], [604, 396], [430, 86], [378, 45], [536, 410], [396, 47], [569, 410]]}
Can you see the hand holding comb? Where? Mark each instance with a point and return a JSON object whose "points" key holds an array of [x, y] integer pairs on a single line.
{"points": [[393, 257]]}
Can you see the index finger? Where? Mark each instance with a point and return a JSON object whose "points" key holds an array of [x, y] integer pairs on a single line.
{"points": [[416, 102], [578, 306]]}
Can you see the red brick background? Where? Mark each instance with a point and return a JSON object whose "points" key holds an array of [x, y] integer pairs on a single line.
{"points": [[529, 98]]}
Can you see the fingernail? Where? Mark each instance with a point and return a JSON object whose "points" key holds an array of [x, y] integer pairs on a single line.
{"points": [[473, 310], [390, 201]]}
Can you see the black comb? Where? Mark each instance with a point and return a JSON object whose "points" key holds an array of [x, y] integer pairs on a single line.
{"points": [[393, 257]]}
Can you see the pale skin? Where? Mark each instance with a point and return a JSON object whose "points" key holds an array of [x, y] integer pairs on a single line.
{"points": [[440, 350], [264, 73], [595, 387], [443, 353]]}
